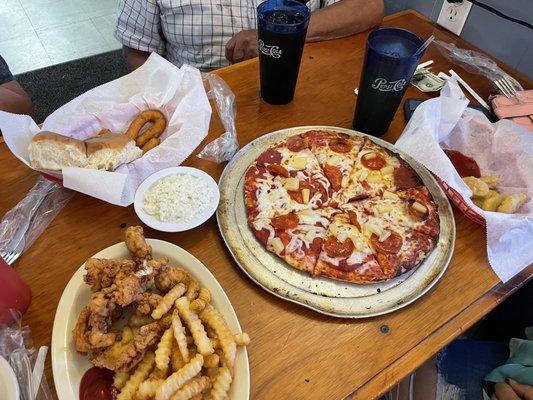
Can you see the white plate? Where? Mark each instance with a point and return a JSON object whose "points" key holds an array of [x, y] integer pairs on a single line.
{"points": [[175, 226], [327, 296], [69, 366]]}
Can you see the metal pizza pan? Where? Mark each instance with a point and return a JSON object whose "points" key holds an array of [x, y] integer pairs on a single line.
{"points": [[327, 296]]}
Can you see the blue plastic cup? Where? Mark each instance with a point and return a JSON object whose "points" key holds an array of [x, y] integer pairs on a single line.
{"points": [[282, 26], [390, 62]]}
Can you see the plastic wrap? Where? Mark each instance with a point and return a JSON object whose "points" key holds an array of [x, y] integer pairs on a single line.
{"points": [[474, 62], [225, 147], [25, 222], [26, 361]]}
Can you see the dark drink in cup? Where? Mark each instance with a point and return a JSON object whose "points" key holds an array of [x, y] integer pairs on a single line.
{"points": [[390, 62], [282, 26]]}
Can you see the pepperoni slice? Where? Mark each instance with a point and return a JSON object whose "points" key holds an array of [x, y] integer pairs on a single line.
{"points": [[336, 249], [276, 169], [391, 245], [296, 143], [270, 156], [375, 163], [287, 221], [340, 145], [316, 245], [334, 176], [284, 236], [353, 219], [405, 178], [318, 138], [262, 235]]}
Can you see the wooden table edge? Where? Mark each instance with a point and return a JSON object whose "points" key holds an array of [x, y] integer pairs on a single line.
{"points": [[445, 334]]}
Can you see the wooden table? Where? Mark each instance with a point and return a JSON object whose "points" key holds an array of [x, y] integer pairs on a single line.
{"points": [[295, 353]]}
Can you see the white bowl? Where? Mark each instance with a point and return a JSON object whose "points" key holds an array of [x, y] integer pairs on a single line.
{"points": [[175, 226], [8, 381]]}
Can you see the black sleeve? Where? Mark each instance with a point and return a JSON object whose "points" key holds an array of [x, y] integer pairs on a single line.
{"points": [[5, 73]]}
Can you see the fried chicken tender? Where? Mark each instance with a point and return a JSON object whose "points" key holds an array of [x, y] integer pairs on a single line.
{"points": [[136, 243], [80, 338], [148, 303], [170, 277], [137, 321], [130, 287], [101, 273], [91, 332], [126, 357]]}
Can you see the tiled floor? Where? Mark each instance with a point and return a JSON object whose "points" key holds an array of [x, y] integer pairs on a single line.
{"points": [[38, 33]]}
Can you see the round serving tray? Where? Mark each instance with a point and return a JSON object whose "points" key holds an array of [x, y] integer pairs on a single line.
{"points": [[327, 296]]}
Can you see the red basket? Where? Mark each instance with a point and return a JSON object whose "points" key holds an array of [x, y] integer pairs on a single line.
{"points": [[459, 201], [52, 178]]}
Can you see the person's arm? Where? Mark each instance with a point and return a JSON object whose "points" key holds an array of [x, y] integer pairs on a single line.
{"points": [[139, 30], [135, 58], [344, 18], [14, 99]]}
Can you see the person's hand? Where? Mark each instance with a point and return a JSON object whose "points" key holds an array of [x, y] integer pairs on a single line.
{"points": [[512, 391], [242, 46]]}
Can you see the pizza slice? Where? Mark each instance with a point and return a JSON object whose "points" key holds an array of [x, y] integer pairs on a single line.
{"points": [[346, 254], [285, 178], [296, 237], [336, 153], [399, 236], [412, 208], [377, 170]]}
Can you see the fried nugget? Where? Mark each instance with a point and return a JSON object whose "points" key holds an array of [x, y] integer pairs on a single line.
{"points": [[170, 277], [147, 303], [136, 243], [132, 353], [101, 273], [82, 325]]}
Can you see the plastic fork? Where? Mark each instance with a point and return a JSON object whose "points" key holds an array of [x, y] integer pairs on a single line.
{"points": [[506, 87], [14, 249], [11, 256]]}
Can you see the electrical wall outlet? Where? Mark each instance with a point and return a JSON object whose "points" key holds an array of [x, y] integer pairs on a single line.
{"points": [[453, 15]]}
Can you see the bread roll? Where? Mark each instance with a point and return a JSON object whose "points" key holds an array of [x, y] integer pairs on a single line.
{"points": [[109, 151], [49, 150]]}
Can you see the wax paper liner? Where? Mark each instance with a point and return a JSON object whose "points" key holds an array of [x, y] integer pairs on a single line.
{"points": [[504, 149], [177, 92]]}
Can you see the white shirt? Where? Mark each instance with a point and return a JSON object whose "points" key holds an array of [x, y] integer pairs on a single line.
{"points": [[193, 32]]}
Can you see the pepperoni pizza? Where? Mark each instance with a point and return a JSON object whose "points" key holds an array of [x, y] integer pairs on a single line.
{"points": [[340, 206]]}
